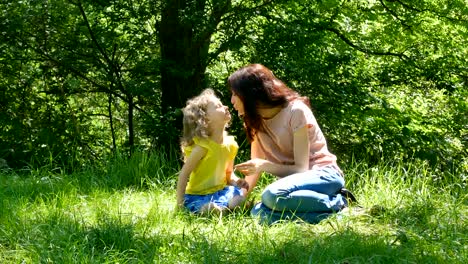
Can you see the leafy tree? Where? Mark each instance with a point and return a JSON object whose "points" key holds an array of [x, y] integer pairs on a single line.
{"points": [[192, 35], [99, 56], [352, 58], [82, 78], [81, 51]]}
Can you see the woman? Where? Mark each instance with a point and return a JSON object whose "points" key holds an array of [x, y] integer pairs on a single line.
{"points": [[287, 142]]}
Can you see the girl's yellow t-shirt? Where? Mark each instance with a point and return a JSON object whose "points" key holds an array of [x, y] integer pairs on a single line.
{"points": [[211, 173]]}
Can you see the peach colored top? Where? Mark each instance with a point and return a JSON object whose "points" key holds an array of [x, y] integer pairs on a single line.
{"points": [[276, 143]]}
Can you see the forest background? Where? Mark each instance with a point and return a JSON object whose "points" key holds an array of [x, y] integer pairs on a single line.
{"points": [[81, 80]]}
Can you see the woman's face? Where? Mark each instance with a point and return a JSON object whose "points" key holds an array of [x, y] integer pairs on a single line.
{"points": [[237, 103]]}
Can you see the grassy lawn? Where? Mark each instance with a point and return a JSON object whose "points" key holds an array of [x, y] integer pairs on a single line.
{"points": [[124, 213]]}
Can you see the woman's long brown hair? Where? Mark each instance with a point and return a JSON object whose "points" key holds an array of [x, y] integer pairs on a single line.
{"points": [[257, 87]]}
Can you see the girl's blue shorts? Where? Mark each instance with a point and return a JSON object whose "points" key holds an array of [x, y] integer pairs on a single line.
{"points": [[221, 198]]}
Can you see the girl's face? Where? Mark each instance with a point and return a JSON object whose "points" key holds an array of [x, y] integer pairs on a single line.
{"points": [[217, 113], [237, 103]]}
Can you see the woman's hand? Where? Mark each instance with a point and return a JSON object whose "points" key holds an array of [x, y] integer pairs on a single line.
{"points": [[252, 167]]}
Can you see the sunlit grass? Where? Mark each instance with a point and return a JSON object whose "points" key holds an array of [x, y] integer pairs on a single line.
{"points": [[409, 216]]}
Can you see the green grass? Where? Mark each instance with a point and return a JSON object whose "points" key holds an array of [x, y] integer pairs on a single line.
{"points": [[123, 212]]}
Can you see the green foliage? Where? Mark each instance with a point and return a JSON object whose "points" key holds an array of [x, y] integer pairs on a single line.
{"points": [[374, 93], [142, 169], [70, 70], [164, 134], [80, 80]]}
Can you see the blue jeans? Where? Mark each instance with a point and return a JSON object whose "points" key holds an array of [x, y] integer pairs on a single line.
{"points": [[221, 198], [310, 196]]}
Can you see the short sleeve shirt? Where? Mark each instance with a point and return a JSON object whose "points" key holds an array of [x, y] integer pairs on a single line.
{"points": [[276, 143], [210, 174]]}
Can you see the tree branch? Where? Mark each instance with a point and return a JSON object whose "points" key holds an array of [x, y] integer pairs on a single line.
{"points": [[93, 37], [364, 50], [239, 10], [100, 88], [115, 69], [395, 15]]}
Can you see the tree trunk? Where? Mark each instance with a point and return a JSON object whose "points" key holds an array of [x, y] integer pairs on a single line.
{"points": [[184, 58], [131, 131], [111, 122]]}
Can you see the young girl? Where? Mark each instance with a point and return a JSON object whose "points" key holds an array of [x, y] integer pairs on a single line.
{"points": [[207, 182]]}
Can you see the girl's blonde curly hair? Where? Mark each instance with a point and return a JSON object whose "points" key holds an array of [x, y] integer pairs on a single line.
{"points": [[195, 121]]}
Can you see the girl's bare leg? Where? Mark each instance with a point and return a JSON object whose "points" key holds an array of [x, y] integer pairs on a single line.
{"points": [[211, 208], [236, 201]]}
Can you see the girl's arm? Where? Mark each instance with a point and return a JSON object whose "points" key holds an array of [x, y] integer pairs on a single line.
{"points": [[254, 167], [232, 178], [190, 164]]}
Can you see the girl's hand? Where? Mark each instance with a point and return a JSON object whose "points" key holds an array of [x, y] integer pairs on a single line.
{"points": [[180, 204], [253, 166], [178, 208]]}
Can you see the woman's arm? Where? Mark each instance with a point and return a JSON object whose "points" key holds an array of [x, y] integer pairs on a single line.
{"points": [[254, 167], [251, 177], [191, 163]]}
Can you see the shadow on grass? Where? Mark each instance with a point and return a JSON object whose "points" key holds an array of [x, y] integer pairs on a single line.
{"points": [[59, 238]]}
